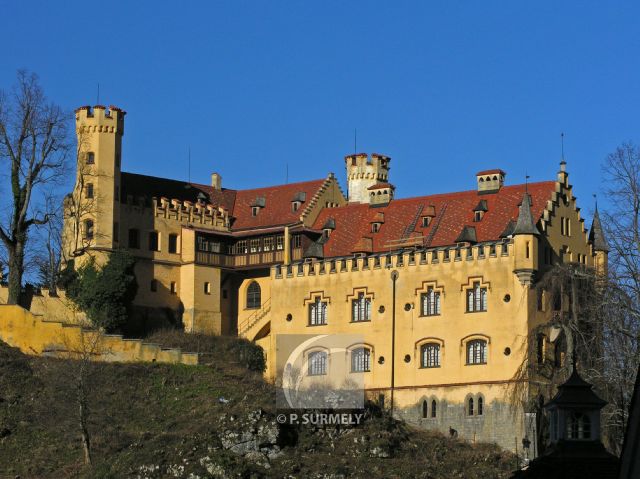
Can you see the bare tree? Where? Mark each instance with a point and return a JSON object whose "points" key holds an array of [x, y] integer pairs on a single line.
{"points": [[34, 144], [49, 257]]}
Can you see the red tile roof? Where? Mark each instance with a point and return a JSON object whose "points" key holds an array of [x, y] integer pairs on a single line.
{"points": [[491, 172], [453, 211], [379, 186], [277, 210]]}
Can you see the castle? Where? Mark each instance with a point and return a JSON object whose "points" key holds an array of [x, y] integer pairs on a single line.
{"points": [[441, 288]]}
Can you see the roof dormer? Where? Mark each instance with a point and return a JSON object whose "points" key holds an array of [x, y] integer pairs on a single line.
{"points": [[257, 204], [297, 200], [479, 211]]}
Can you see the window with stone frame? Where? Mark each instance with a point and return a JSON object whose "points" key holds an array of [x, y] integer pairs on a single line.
{"points": [[318, 312], [430, 302], [317, 363], [476, 298], [361, 308], [430, 355], [361, 360], [477, 351]]}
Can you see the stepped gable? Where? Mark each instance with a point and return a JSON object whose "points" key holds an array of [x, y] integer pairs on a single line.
{"points": [[152, 186], [277, 208], [354, 220]]}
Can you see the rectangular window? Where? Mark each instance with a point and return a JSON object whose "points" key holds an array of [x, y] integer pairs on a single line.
{"points": [[91, 158], [134, 238], [279, 243], [476, 298], [317, 363], [240, 247], [173, 287], [254, 245], [431, 355], [477, 352], [430, 302], [255, 210], [88, 229], [317, 313], [207, 287], [89, 193], [173, 243], [296, 241], [361, 308], [154, 241], [360, 360], [268, 243]]}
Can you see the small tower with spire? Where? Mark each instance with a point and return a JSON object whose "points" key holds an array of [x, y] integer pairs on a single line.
{"points": [[599, 245], [525, 237]]}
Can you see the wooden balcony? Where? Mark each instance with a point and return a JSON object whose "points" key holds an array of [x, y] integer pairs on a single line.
{"points": [[245, 260]]}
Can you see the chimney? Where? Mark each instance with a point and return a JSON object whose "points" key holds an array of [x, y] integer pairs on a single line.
{"points": [[216, 181], [490, 181]]}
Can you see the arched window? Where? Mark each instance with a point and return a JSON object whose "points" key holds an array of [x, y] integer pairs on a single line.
{"points": [[578, 426], [317, 363], [480, 406], [470, 407], [253, 296], [433, 408], [477, 351], [425, 409]]}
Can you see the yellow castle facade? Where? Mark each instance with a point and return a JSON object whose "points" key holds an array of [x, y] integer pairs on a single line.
{"points": [[442, 289]]}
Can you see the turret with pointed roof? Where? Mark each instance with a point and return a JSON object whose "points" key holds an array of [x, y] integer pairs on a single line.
{"points": [[596, 234], [525, 224]]}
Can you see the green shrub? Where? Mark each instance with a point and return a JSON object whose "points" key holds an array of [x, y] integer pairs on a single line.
{"points": [[105, 294]]}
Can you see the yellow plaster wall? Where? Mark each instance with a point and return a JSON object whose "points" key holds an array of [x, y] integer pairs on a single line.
{"points": [[33, 335]]}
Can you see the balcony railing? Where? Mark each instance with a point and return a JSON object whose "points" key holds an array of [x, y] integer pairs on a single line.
{"points": [[244, 260]]}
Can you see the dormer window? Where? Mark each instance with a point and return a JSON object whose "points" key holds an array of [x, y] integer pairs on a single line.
{"points": [[297, 200], [479, 211], [426, 221], [326, 233], [375, 227], [259, 202]]}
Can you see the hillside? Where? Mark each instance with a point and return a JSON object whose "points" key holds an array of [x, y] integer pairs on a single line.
{"points": [[212, 420]]}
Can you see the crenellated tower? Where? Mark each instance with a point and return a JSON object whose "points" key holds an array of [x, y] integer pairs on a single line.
{"points": [[92, 211], [364, 172]]}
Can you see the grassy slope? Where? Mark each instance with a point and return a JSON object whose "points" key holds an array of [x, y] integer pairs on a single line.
{"points": [[162, 415]]}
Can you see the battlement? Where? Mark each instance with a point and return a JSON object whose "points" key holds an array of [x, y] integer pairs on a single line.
{"points": [[364, 171], [186, 211], [497, 250], [101, 119], [375, 162]]}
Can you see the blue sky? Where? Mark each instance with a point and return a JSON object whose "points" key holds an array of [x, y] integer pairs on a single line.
{"points": [[444, 88]]}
